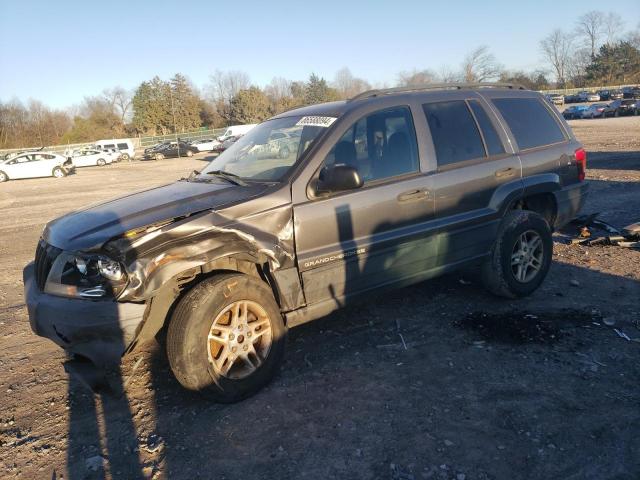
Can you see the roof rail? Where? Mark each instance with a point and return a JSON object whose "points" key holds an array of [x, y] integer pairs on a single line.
{"points": [[435, 86]]}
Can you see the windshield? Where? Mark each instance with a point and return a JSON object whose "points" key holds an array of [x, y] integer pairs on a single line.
{"points": [[269, 150]]}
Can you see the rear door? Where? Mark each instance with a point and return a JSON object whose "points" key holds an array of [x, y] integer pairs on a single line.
{"points": [[357, 240], [476, 168], [541, 138]]}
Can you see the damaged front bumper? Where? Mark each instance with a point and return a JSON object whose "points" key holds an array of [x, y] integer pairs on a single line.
{"points": [[98, 330]]}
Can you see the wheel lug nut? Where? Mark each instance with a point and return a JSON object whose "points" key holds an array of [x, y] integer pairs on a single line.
{"points": [[231, 336], [233, 349], [246, 347], [248, 334]]}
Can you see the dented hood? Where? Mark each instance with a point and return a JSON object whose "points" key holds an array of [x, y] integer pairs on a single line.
{"points": [[90, 228]]}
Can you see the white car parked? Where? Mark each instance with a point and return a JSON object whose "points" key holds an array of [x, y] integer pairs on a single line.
{"points": [[90, 158], [35, 164], [205, 145]]}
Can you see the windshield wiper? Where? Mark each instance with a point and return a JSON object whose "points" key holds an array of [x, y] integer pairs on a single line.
{"points": [[228, 176]]}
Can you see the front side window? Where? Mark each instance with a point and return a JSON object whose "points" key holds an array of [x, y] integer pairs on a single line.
{"points": [[123, 146], [454, 132], [257, 156], [379, 146], [531, 123]]}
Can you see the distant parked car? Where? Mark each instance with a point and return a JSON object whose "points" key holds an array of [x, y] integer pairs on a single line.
{"points": [[616, 95], [582, 96], [156, 147], [618, 108], [173, 149], [631, 92], [35, 164], [595, 110], [604, 94], [571, 98], [221, 147], [573, 112], [205, 145], [90, 158], [556, 98], [593, 97], [123, 146]]}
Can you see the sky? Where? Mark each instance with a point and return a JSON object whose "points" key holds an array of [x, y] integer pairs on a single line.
{"points": [[60, 51]]}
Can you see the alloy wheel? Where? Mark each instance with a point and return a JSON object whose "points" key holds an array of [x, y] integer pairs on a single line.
{"points": [[527, 256], [239, 339]]}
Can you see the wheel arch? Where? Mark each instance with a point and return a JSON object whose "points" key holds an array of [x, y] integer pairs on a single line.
{"points": [[535, 193]]}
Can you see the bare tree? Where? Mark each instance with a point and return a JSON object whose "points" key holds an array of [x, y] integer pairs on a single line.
{"points": [[590, 28], [446, 75], [480, 65], [226, 85], [347, 85], [120, 101], [557, 48], [416, 77], [612, 26], [278, 89]]}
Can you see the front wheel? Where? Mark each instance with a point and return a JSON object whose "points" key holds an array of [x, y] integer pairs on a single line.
{"points": [[521, 255], [101, 162], [125, 157], [58, 172], [3, 177], [159, 156], [226, 338], [189, 153]]}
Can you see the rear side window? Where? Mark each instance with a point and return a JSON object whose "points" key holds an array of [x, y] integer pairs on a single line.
{"points": [[111, 145], [123, 146], [454, 132], [530, 122], [491, 138]]}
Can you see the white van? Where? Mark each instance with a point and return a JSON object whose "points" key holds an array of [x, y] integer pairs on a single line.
{"points": [[235, 130], [123, 145]]}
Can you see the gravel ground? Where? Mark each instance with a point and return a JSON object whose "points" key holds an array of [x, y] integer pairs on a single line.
{"points": [[439, 380]]}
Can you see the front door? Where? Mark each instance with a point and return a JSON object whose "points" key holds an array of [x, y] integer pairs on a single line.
{"points": [[350, 242]]}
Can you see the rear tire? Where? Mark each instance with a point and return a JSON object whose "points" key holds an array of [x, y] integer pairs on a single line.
{"points": [[189, 153], [58, 172], [101, 162], [518, 262], [159, 156], [224, 359], [3, 177], [125, 156]]}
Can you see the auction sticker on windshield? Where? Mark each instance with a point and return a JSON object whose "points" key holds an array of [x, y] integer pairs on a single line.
{"points": [[316, 121]]}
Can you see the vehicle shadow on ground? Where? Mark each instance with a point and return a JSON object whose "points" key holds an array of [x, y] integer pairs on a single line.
{"points": [[621, 160]]}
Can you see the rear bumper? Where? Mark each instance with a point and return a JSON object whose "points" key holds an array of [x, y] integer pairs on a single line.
{"points": [[98, 330], [570, 201]]}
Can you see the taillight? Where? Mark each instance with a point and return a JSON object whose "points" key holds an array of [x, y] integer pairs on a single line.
{"points": [[581, 163]]}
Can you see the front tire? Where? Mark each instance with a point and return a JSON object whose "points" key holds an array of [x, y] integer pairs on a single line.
{"points": [[3, 177], [159, 156], [189, 153], [101, 162], [125, 156], [58, 172], [520, 257], [226, 338]]}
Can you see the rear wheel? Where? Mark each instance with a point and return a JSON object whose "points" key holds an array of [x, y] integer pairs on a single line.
{"points": [[3, 177], [189, 153], [101, 162], [58, 172], [226, 338], [520, 257], [159, 156], [125, 156]]}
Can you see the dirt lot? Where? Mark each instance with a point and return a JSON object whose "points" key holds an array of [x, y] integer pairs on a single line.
{"points": [[542, 388]]}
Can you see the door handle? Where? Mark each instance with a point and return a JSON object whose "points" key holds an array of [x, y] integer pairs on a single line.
{"points": [[412, 195], [505, 172]]}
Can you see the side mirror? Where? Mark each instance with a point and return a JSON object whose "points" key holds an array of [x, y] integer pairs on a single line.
{"points": [[338, 178]]}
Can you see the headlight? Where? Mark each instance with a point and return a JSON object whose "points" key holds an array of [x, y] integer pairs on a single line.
{"points": [[85, 276]]}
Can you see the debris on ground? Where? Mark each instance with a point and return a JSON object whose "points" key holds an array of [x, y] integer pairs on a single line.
{"points": [[592, 231]]}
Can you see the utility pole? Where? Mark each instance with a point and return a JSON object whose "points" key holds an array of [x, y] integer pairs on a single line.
{"points": [[175, 130]]}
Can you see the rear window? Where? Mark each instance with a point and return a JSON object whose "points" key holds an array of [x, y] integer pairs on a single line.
{"points": [[111, 145], [123, 146], [491, 138], [454, 132], [531, 123]]}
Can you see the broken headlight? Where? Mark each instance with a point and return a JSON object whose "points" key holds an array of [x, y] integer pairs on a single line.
{"points": [[86, 276]]}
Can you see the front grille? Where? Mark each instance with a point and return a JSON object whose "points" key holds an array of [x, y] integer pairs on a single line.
{"points": [[45, 256]]}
